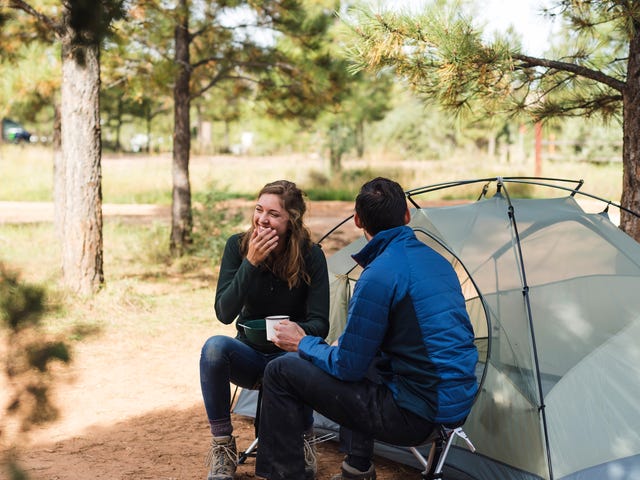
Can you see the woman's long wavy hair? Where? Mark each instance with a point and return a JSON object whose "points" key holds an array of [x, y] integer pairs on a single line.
{"points": [[289, 265]]}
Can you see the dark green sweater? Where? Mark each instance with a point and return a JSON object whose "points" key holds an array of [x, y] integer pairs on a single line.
{"points": [[245, 292]]}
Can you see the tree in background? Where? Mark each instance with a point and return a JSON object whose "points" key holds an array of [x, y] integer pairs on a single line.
{"points": [[358, 99], [444, 57], [230, 41], [118, 88], [224, 104], [413, 130], [364, 100], [137, 71], [341, 101], [79, 26]]}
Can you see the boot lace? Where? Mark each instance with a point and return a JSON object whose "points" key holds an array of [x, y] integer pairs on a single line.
{"points": [[225, 457], [310, 461]]}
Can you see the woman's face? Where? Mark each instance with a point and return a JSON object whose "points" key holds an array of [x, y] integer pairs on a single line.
{"points": [[270, 213]]}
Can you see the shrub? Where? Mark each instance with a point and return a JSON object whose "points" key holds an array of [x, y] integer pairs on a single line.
{"points": [[214, 220]]}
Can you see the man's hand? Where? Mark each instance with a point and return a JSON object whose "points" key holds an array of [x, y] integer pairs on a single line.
{"points": [[288, 335]]}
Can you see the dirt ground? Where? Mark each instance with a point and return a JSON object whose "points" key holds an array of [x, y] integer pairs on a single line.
{"points": [[131, 408]]}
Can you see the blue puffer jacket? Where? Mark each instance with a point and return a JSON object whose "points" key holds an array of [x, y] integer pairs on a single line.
{"points": [[407, 313]]}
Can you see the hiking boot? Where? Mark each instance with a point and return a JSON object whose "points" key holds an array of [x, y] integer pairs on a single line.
{"points": [[222, 459], [350, 473], [310, 462]]}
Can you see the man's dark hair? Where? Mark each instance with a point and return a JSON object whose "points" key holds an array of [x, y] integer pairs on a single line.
{"points": [[381, 205]]}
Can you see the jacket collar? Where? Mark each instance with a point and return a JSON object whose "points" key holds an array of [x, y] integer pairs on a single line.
{"points": [[379, 243]]}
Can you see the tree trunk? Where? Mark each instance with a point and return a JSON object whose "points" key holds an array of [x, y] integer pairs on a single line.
{"points": [[181, 219], [336, 147], [226, 146], [199, 136], [631, 144], [335, 159], [147, 147], [118, 144], [148, 117], [79, 191], [57, 121], [360, 138], [58, 175]]}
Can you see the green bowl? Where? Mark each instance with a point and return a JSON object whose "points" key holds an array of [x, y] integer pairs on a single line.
{"points": [[256, 332]]}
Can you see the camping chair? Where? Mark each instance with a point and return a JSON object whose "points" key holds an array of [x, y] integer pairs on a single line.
{"points": [[251, 449], [441, 440]]}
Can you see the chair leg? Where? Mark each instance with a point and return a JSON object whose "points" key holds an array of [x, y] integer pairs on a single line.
{"points": [[438, 452], [443, 451], [248, 452], [432, 461], [432, 472], [256, 420], [429, 461]]}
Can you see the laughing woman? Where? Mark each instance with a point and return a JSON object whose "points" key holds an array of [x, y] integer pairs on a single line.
{"points": [[272, 269]]}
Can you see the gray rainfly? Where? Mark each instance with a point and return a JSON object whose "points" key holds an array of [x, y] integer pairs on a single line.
{"points": [[554, 296]]}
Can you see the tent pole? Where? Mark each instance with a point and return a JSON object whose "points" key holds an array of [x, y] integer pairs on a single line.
{"points": [[525, 294]]}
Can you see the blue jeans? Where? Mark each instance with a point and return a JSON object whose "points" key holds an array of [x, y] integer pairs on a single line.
{"points": [[365, 410], [225, 360]]}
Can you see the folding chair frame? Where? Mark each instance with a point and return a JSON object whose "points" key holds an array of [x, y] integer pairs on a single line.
{"points": [[440, 446], [251, 449]]}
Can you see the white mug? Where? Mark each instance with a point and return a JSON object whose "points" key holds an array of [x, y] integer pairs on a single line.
{"points": [[271, 323]]}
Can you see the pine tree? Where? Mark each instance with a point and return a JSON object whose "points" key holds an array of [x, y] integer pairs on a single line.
{"points": [[443, 55], [79, 26], [237, 41]]}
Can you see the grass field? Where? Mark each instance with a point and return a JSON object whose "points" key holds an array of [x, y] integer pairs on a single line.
{"points": [[26, 174], [142, 283]]}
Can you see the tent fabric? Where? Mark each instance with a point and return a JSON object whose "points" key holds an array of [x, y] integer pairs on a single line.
{"points": [[554, 297], [568, 349]]}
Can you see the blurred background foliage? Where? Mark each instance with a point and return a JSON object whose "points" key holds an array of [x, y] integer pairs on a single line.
{"points": [[364, 115]]}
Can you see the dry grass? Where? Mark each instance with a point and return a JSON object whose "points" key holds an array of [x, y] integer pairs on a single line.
{"points": [[143, 287], [26, 173]]}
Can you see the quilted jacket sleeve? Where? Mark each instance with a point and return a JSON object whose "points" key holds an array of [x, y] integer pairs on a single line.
{"points": [[363, 334]]}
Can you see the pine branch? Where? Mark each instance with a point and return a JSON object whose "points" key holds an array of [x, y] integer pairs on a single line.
{"points": [[582, 107], [25, 7], [528, 62]]}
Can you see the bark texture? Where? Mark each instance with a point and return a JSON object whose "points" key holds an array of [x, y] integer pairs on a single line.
{"points": [[631, 143], [78, 192], [181, 216]]}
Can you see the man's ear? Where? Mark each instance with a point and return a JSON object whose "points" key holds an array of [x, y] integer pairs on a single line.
{"points": [[407, 216], [360, 225], [356, 220]]}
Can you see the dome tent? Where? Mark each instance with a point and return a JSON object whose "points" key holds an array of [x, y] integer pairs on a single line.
{"points": [[552, 292]]}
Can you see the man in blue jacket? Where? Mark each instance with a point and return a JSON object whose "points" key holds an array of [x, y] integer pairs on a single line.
{"points": [[404, 363]]}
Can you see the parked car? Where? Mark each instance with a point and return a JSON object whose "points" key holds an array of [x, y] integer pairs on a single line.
{"points": [[14, 132]]}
